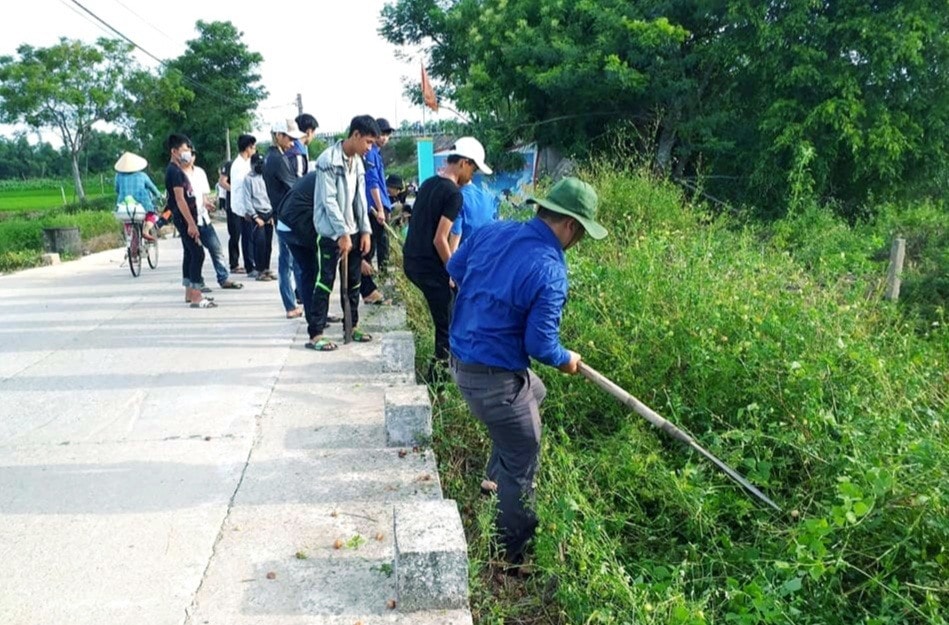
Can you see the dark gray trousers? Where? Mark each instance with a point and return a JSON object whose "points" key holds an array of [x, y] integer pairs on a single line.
{"points": [[508, 403]]}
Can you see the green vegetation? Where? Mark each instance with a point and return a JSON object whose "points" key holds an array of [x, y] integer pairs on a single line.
{"points": [[21, 238], [773, 346], [728, 92], [41, 194]]}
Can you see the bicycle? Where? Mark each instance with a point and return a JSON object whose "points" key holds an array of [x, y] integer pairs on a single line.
{"points": [[133, 216]]}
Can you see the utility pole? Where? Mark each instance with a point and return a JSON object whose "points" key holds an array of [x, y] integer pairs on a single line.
{"points": [[299, 104], [227, 144]]}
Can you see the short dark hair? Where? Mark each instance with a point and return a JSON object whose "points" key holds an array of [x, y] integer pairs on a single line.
{"points": [[550, 216], [306, 122], [176, 140], [257, 163], [458, 158], [245, 141], [364, 125]]}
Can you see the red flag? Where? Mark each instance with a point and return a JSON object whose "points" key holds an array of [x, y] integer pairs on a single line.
{"points": [[428, 94]]}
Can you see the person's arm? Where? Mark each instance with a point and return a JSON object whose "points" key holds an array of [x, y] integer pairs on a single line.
{"points": [[458, 264], [542, 334], [185, 211], [222, 180], [326, 203], [150, 186], [441, 239], [454, 240], [362, 215], [378, 208]]}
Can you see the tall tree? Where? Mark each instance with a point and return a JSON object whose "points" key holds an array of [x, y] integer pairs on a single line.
{"points": [[753, 95], [222, 73], [67, 87]]}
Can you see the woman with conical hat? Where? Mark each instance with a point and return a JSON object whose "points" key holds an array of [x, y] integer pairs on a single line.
{"points": [[131, 180]]}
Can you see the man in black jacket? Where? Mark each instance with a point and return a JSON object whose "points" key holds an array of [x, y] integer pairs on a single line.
{"points": [[279, 176]]}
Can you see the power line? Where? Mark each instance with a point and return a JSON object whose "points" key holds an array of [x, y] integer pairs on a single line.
{"points": [[69, 6], [149, 23], [163, 63]]}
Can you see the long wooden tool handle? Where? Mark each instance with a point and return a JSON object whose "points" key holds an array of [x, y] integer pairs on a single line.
{"points": [[344, 291], [650, 415]]}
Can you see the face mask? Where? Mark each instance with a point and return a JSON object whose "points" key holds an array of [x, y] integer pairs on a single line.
{"points": [[184, 156]]}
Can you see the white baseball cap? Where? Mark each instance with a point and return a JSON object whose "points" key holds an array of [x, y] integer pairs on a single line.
{"points": [[284, 127], [469, 147]]}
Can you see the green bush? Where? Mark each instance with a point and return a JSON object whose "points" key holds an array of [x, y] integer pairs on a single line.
{"points": [[773, 347], [21, 238]]}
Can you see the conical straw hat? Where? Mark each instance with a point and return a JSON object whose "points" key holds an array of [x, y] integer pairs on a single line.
{"points": [[129, 163]]}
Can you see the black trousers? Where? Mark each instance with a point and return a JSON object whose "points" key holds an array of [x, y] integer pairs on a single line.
{"points": [[380, 244], [247, 243], [433, 283], [508, 403], [327, 259], [263, 246], [368, 284], [193, 257], [233, 239]]}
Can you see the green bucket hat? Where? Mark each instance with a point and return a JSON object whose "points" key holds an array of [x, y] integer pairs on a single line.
{"points": [[577, 199]]}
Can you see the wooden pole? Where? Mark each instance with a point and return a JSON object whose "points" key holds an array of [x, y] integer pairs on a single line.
{"points": [[895, 272], [658, 422], [344, 291]]}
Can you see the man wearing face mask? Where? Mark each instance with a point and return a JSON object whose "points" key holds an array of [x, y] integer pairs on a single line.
{"points": [[184, 209], [512, 287]]}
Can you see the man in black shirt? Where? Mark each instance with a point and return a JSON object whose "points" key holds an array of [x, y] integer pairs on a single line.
{"points": [[184, 209], [426, 250]]}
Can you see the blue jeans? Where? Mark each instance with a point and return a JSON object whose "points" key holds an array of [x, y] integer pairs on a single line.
{"points": [[210, 241], [285, 266]]}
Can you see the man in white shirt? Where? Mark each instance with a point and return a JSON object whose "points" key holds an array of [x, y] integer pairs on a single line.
{"points": [[209, 239], [240, 168]]}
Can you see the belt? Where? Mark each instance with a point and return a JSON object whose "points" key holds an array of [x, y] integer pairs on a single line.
{"points": [[473, 368]]}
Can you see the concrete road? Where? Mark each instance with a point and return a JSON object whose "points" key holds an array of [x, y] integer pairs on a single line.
{"points": [[126, 421]]}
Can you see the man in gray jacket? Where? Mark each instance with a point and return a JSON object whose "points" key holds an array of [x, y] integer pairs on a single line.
{"points": [[339, 215]]}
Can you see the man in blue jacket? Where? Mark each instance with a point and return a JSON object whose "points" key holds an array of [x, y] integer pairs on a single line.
{"points": [[377, 198], [512, 287]]}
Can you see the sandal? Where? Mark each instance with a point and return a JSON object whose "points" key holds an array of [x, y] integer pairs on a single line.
{"points": [[206, 297], [232, 285], [204, 303], [361, 337], [333, 319], [293, 314], [321, 345]]}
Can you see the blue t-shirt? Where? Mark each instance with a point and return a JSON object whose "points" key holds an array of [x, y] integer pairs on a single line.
{"points": [[478, 208]]}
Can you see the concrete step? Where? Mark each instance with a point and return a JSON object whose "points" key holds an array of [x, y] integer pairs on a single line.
{"points": [[325, 416], [324, 476], [337, 564], [386, 361]]}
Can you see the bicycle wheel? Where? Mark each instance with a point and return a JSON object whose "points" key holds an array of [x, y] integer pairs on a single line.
{"points": [[151, 253], [135, 250]]}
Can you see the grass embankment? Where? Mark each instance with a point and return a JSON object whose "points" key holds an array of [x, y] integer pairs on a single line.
{"points": [[21, 237], [773, 346]]}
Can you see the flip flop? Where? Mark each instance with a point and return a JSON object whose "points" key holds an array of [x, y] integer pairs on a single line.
{"points": [[205, 303], [322, 345], [232, 285], [361, 337], [333, 318]]}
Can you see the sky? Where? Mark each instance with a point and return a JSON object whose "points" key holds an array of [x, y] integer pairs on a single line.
{"points": [[312, 48]]}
